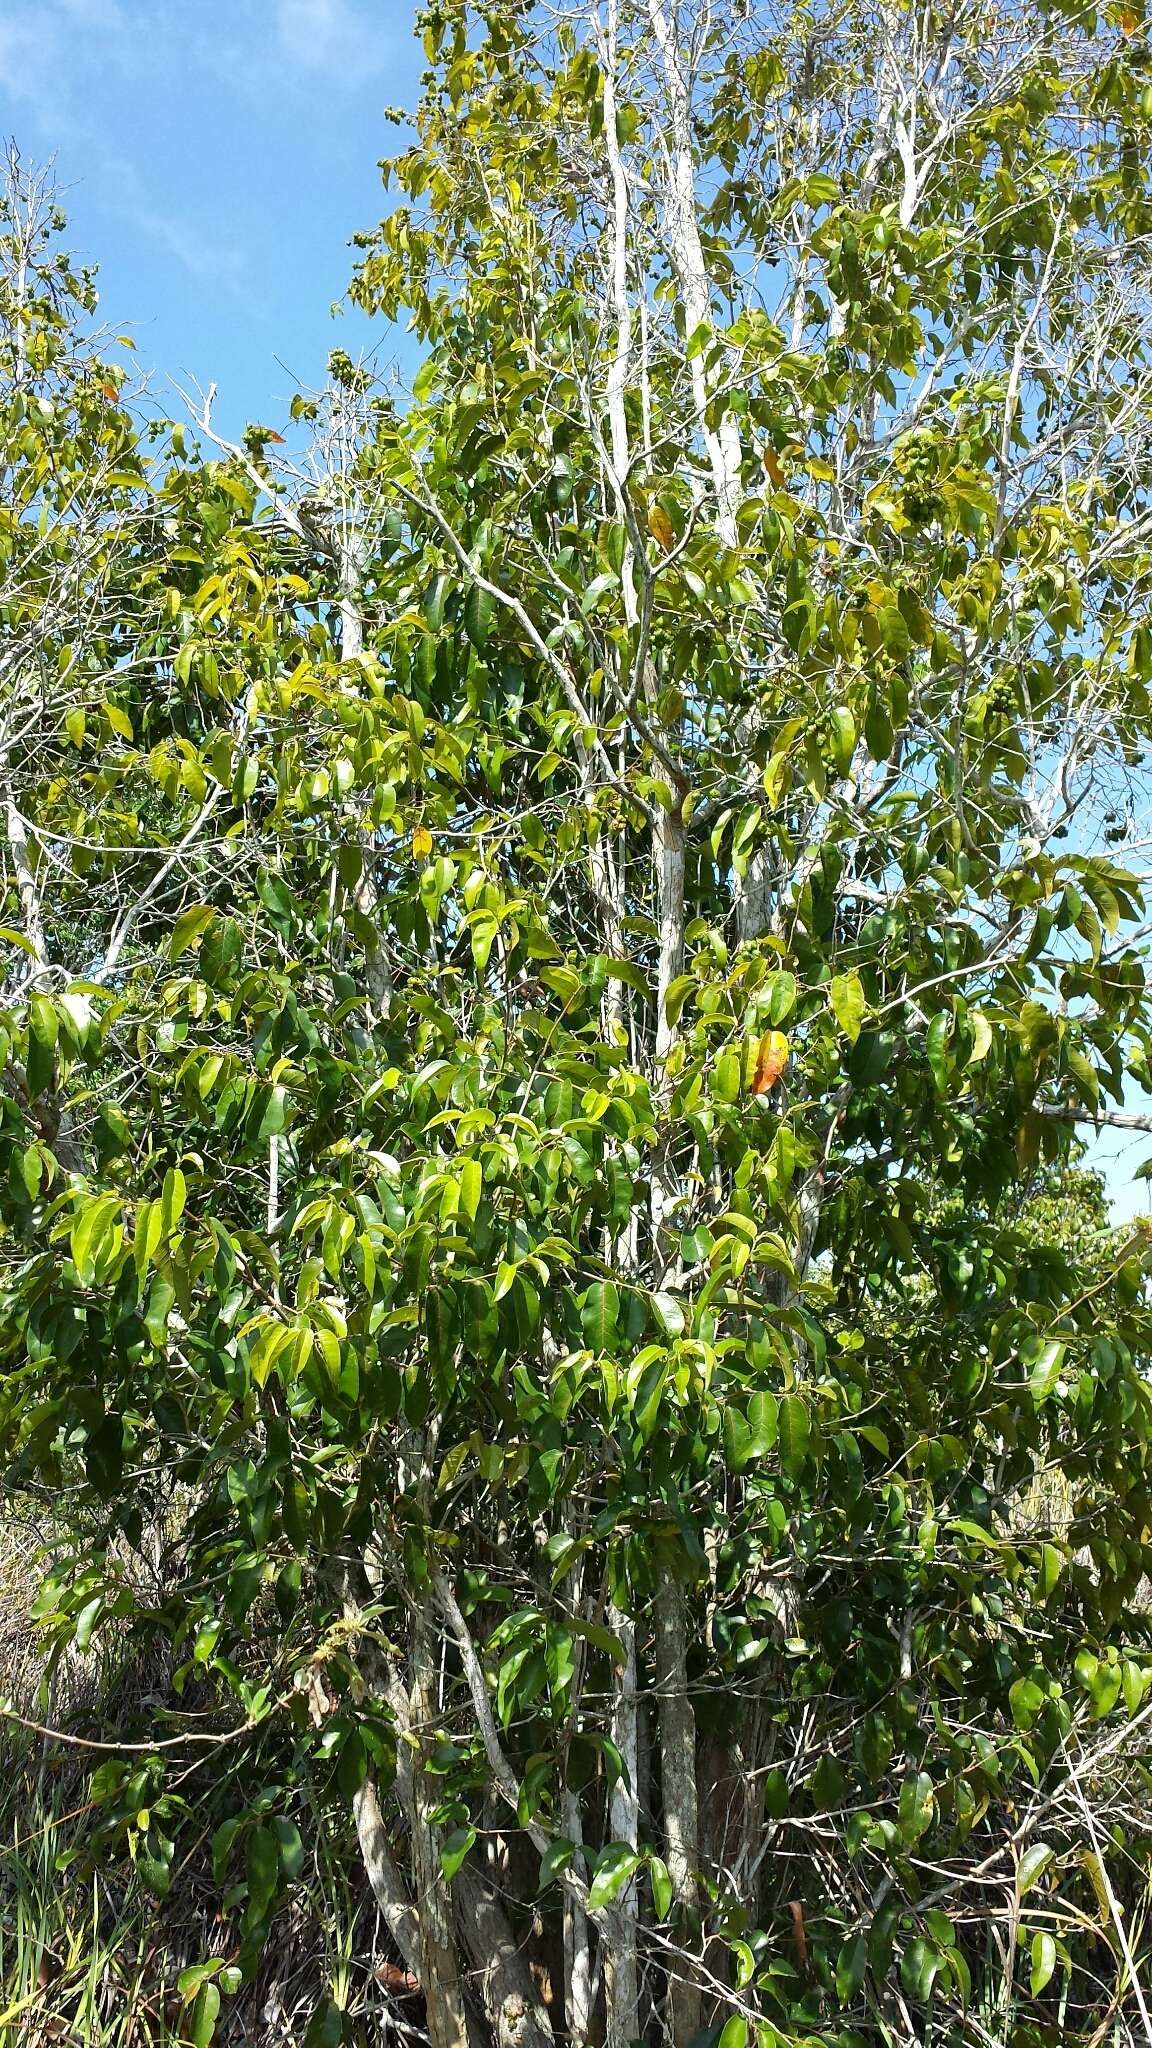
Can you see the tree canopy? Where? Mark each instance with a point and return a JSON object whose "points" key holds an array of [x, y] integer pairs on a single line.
{"points": [[559, 931]]}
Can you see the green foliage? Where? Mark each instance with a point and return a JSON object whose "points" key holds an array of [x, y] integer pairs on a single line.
{"points": [[541, 1079]]}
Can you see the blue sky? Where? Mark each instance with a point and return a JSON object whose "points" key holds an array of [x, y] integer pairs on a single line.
{"points": [[215, 160]]}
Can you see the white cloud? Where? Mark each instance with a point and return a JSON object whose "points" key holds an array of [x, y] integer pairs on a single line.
{"points": [[211, 259], [108, 15], [49, 50], [43, 61], [332, 36], [32, 69]]}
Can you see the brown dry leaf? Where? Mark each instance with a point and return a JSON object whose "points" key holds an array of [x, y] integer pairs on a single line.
{"points": [[394, 1978], [799, 1935], [771, 1061], [660, 526], [1129, 21], [320, 1702]]}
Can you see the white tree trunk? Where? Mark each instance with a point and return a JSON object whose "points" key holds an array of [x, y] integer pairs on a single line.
{"points": [[621, 1963], [678, 1782]]}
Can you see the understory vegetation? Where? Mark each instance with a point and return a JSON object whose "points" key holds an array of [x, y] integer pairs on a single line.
{"points": [[576, 1433]]}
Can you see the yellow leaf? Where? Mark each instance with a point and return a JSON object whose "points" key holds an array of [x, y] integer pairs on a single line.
{"points": [[660, 526], [421, 843], [774, 469], [771, 1061]]}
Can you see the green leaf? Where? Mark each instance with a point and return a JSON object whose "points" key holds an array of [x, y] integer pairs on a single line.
{"points": [[471, 1183], [600, 1636], [86, 1621], [326, 2026], [779, 998], [851, 1968], [614, 1866], [794, 1434], [479, 611], [846, 996], [90, 1232], [189, 926], [600, 1315], [204, 2015], [43, 1033], [275, 1113], [1033, 1864], [555, 1860], [291, 1848], [1043, 1362], [454, 1849], [981, 1037], [434, 600], [669, 1313], [764, 1422], [263, 1864], [677, 995], [739, 1448], [146, 1236], [1026, 1700], [661, 1882], [938, 1042], [728, 1077], [919, 1968], [222, 1845], [843, 738], [1043, 1962], [189, 1981], [172, 1200], [917, 1806]]}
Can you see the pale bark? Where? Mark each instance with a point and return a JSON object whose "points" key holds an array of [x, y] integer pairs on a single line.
{"points": [[28, 891], [752, 896], [671, 840], [388, 1886], [621, 1963], [618, 272], [678, 1781], [722, 442], [606, 880], [439, 1970], [515, 2010], [350, 559], [579, 1984]]}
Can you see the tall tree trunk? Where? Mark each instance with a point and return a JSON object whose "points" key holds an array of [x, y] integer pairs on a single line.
{"points": [[514, 2008], [721, 440], [579, 1981], [669, 850], [388, 1886], [439, 1967], [621, 1965], [28, 892], [350, 559], [678, 1777]]}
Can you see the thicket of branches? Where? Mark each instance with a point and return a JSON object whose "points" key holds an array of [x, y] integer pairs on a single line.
{"points": [[559, 934]]}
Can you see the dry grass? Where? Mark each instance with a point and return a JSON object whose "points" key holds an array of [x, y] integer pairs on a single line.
{"points": [[89, 1957]]}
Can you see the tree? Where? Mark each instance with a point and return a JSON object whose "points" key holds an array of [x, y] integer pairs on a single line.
{"points": [[630, 896]]}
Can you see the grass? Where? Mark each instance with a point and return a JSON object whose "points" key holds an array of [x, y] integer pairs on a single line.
{"points": [[89, 1957]]}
